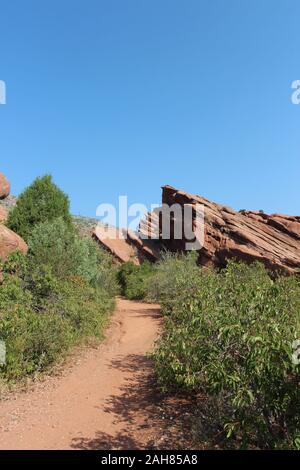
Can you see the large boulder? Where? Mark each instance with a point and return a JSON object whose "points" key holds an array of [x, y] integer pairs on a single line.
{"points": [[10, 242], [4, 186]]}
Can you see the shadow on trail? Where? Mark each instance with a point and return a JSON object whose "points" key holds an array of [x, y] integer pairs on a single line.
{"points": [[133, 406], [149, 418], [103, 441], [149, 312]]}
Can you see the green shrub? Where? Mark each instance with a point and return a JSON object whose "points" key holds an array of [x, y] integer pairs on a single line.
{"points": [[44, 310], [107, 273], [15, 264], [123, 272], [33, 341], [13, 293], [57, 295], [57, 245], [61, 249], [41, 201], [39, 327], [133, 280], [162, 286], [229, 335], [86, 310], [42, 284]]}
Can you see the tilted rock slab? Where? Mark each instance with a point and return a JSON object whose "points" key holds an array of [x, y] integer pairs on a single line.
{"points": [[125, 245], [247, 235], [115, 242]]}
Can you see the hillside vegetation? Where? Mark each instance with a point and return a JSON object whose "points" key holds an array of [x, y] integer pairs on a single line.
{"points": [[60, 293], [228, 341]]}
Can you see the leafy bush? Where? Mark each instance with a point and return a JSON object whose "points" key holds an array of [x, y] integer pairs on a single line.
{"points": [[162, 286], [106, 273], [33, 341], [133, 279], [41, 316], [86, 311], [58, 247], [56, 244], [57, 295], [229, 335], [124, 272], [41, 201]]}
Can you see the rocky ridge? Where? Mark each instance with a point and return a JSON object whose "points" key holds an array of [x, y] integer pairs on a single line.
{"points": [[273, 239], [247, 235]]}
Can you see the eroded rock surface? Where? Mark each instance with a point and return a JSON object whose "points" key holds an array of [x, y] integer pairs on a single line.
{"points": [[247, 235]]}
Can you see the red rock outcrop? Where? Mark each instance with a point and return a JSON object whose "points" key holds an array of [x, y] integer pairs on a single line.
{"points": [[247, 235], [9, 242], [124, 245], [4, 186], [113, 240], [145, 249]]}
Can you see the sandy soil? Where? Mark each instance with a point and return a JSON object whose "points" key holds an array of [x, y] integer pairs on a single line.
{"points": [[105, 400]]}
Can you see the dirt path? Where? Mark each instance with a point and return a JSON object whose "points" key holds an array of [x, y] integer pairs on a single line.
{"points": [[102, 401]]}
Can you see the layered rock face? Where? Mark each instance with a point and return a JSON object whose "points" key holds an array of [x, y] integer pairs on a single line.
{"points": [[248, 235], [9, 241], [220, 234]]}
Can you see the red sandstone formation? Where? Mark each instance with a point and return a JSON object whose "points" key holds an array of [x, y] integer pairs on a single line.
{"points": [[247, 235], [124, 245], [145, 249], [9, 242], [114, 241]]}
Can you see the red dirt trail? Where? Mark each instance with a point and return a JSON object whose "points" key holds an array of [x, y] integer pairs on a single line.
{"points": [[102, 401]]}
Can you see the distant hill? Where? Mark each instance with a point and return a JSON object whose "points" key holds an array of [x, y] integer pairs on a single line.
{"points": [[8, 202], [85, 225]]}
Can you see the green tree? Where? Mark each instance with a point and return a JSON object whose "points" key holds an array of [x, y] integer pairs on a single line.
{"points": [[42, 201], [57, 245]]}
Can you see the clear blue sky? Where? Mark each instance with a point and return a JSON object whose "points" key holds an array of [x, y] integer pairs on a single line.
{"points": [[122, 96]]}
